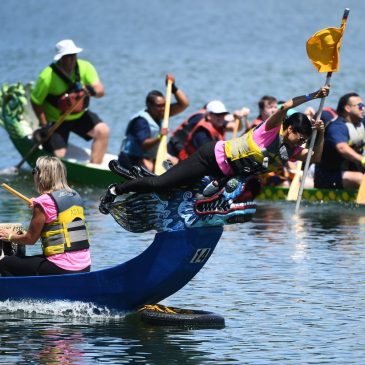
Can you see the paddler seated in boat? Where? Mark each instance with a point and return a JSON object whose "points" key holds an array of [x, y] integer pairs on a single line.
{"points": [[343, 163], [212, 126], [268, 105], [258, 151], [144, 132], [58, 88], [58, 221]]}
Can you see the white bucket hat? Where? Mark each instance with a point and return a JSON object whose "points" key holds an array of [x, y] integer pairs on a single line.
{"points": [[65, 47], [216, 107]]}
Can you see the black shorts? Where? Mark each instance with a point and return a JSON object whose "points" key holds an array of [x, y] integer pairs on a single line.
{"points": [[326, 179], [80, 126]]}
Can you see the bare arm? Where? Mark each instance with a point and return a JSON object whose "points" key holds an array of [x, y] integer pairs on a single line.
{"points": [[236, 123], [39, 112], [34, 231], [318, 145], [153, 141], [348, 153], [99, 89], [278, 117], [181, 104]]}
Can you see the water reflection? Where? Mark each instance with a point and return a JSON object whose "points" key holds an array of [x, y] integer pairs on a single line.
{"points": [[36, 339]]}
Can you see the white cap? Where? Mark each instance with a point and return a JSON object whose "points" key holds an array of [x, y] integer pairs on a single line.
{"points": [[216, 107], [65, 47]]}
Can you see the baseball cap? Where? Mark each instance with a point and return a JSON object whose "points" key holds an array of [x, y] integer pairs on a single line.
{"points": [[66, 47], [216, 107]]}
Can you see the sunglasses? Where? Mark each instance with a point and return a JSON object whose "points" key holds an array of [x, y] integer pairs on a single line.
{"points": [[361, 106], [301, 138], [35, 170]]}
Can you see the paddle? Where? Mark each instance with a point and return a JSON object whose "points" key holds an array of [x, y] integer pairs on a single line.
{"points": [[52, 129], [162, 148], [237, 122], [360, 198], [16, 193], [295, 184], [323, 51]]}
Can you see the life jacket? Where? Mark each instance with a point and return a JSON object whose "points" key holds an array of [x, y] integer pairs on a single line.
{"points": [[68, 232], [357, 136], [357, 143], [70, 97], [331, 111], [131, 147], [214, 133], [247, 158], [181, 133]]}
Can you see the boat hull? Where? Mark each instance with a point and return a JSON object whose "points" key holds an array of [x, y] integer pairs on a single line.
{"points": [[311, 195], [167, 265]]}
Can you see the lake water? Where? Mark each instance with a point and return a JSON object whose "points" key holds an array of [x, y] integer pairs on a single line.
{"points": [[291, 288]]}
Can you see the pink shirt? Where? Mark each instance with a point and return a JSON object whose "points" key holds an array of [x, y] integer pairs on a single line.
{"points": [[73, 261], [260, 136]]}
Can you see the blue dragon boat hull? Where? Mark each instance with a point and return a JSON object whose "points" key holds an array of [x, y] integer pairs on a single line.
{"points": [[167, 265]]}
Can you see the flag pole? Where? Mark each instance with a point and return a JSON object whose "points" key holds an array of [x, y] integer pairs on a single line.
{"points": [[310, 149], [314, 133]]}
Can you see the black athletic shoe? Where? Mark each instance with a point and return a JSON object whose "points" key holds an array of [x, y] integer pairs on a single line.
{"points": [[106, 199]]}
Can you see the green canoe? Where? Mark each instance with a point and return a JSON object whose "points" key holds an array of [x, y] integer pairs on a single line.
{"points": [[19, 120]]}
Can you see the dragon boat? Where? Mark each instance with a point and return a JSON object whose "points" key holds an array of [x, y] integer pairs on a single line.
{"points": [[188, 227], [275, 193], [18, 119]]}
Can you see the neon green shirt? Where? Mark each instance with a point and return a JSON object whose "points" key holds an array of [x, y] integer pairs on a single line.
{"points": [[50, 83]]}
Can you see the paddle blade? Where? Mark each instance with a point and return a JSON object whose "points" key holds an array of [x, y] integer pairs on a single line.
{"points": [[295, 184], [161, 156], [360, 199]]}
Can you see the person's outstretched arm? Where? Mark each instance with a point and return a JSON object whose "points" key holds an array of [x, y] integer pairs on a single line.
{"points": [[278, 117], [182, 102]]}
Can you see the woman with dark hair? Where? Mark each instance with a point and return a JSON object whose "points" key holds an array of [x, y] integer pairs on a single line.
{"points": [[58, 220], [261, 149]]}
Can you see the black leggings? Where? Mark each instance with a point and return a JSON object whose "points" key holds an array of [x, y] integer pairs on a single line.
{"points": [[32, 266], [185, 173]]}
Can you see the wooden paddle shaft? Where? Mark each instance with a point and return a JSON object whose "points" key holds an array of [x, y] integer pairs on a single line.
{"points": [[166, 116], [16, 193], [162, 148], [52, 130]]}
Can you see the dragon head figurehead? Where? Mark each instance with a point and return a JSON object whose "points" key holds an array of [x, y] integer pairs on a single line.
{"points": [[232, 202]]}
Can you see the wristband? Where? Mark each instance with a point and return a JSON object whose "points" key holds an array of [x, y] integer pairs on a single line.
{"points": [[9, 237], [308, 97], [159, 136], [174, 88]]}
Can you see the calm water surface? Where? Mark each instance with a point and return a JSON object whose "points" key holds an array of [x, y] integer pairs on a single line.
{"points": [[291, 288]]}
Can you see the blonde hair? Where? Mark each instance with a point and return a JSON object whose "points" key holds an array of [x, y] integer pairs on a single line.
{"points": [[50, 175]]}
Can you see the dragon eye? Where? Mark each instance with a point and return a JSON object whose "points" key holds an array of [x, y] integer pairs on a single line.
{"points": [[232, 185]]}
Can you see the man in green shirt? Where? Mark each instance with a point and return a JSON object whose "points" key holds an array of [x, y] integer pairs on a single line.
{"points": [[58, 88]]}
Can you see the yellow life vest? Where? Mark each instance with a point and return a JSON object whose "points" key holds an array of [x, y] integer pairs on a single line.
{"points": [[68, 232], [246, 157]]}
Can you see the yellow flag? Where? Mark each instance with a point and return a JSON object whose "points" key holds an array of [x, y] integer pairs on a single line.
{"points": [[323, 49]]}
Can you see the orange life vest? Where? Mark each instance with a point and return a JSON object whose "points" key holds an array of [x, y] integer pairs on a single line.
{"points": [[215, 134]]}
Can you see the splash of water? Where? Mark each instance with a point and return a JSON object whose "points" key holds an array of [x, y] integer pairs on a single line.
{"points": [[64, 308], [9, 171]]}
